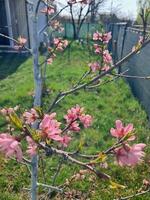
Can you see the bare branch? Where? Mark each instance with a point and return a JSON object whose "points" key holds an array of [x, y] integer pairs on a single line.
{"points": [[134, 195]]}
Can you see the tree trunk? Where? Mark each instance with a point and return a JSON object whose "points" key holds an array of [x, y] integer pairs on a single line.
{"points": [[36, 68], [37, 102]]}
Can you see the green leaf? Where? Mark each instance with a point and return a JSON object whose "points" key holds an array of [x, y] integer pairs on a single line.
{"points": [[101, 158], [14, 119], [116, 186]]}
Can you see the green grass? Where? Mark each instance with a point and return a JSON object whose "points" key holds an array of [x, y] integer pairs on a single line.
{"points": [[107, 103]]}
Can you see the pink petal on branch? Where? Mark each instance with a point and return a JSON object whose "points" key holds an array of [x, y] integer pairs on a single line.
{"points": [[120, 130], [50, 127], [48, 10], [30, 116], [10, 146], [86, 120], [94, 66], [32, 147], [130, 155]]}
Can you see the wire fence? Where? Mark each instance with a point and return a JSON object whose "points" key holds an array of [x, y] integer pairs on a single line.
{"points": [[123, 40]]}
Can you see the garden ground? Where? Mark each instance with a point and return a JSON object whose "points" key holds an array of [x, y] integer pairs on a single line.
{"points": [[107, 103]]}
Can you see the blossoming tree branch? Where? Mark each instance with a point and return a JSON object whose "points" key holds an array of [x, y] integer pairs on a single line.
{"points": [[36, 131]]}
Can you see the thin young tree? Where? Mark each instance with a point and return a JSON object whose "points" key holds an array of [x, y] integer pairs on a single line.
{"points": [[144, 13]]}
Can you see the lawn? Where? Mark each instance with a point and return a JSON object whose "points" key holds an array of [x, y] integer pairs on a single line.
{"points": [[106, 104]]}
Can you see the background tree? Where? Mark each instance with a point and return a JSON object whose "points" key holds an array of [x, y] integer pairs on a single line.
{"points": [[144, 14], [80, 11]]}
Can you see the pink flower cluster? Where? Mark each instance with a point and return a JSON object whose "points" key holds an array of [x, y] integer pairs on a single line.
{"points": [[105, 38], [52, 57], [21, 41], [76, 115], [32, 146], [95, 66], [30, 116], [6, 111], [130, 155], [107, 57], [60, 44], [98, 49], [48, 10], [50, 128], [127, 155], [121, 131], [10, 146], [101, 49]]}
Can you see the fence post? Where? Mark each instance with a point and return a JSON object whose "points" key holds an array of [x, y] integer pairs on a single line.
{"points": [[123, 43]]}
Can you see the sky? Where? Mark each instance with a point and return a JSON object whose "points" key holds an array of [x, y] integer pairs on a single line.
{"points": [[125, 8]]}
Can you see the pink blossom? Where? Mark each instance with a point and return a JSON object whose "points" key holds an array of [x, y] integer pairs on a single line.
{"points": [[52, 57], [94, 66], [50, 61], [97, 36], [10, 146], [130, 155], [65, 140], [22, 41], [98, 49], [48, 10], [86, 120], [31, 116], [65, 43], [105, 68], [6, 111], [32, 146], [73, 113], [107, 57], [60, 44], [74, 127], [120, 130], [50, 127], [105, 38]]}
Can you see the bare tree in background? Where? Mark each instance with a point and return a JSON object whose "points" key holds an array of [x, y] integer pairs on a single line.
{"points": [[144, 12], [79, 13]]}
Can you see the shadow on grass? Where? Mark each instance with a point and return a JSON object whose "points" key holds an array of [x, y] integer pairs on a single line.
{"points": [[9, 63], [23, 101]]}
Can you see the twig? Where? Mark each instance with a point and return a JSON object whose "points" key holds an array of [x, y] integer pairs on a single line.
{"points": [[130, 76], [5, 36], [50, 187], [107, 81], [57, 170], [82, 77], [43, 168], [134, 195], [98, 173]]}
